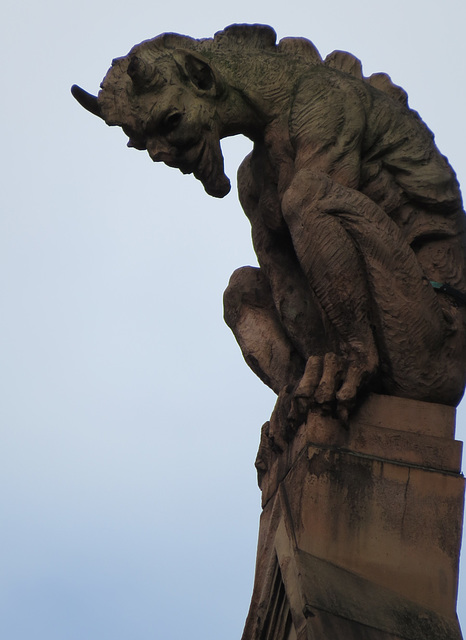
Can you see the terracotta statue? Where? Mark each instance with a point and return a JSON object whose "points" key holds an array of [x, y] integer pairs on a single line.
{"points": [[357, 219]]}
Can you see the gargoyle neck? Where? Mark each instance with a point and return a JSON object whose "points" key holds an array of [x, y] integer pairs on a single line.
{"points": [[250, 105]]}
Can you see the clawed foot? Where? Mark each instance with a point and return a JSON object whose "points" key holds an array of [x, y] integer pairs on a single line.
{"points": [[330, 382]]}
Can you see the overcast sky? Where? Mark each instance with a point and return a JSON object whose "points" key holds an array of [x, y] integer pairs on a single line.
{"points": [[129, 420]]}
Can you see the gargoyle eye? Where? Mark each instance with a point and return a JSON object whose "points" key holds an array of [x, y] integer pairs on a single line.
{"points": [[170, 123]]}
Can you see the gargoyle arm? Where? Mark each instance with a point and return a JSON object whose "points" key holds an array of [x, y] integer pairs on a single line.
{"points": [[365, 277]]}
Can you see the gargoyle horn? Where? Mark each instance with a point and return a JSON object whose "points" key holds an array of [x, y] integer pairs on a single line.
{"points": [[86, 100]]}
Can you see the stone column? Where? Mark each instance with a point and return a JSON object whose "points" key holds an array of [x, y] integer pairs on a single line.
{"points": [[361, 528]]}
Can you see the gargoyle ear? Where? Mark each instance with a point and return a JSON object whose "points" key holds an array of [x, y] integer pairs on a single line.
{"points": [[198, 71]]}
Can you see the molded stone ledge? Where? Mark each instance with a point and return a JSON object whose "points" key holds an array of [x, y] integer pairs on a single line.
{"points": [[402, 414], [397, 430]]}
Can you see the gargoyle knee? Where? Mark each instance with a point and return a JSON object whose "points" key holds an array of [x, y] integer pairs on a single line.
{"points": [[248, 286]]}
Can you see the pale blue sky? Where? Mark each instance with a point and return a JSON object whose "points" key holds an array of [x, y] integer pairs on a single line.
{"points": [[129, 421]]}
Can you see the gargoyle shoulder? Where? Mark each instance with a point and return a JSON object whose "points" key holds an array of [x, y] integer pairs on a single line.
{"points": [[328, 112]]}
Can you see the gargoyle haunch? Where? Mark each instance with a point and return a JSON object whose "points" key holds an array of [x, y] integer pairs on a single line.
{"points": [[357, 219]]}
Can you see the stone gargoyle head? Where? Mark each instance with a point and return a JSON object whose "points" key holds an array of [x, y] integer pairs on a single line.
{"points": [[165, 98]]}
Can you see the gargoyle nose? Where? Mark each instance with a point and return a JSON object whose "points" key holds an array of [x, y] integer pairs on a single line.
{"points": [[157, 150]]}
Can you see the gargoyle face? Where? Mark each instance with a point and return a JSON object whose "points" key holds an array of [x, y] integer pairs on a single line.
{"points": [[168, 108]]}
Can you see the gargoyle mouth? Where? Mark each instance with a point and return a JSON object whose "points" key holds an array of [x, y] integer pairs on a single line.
{"points": [[185, 160], [209, 170], [205, 162]]}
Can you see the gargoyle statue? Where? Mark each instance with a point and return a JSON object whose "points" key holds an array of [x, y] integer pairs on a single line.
{"points": [[356, 217]]}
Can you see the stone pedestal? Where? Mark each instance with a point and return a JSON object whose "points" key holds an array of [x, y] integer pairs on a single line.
{"points": [[361, 528]]}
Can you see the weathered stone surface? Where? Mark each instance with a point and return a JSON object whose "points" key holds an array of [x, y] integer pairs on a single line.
{"points": [[407, 431], [365, 544], [354, 212]]}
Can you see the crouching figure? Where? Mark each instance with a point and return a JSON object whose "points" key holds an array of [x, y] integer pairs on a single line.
{"points": [[356, 217]]}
